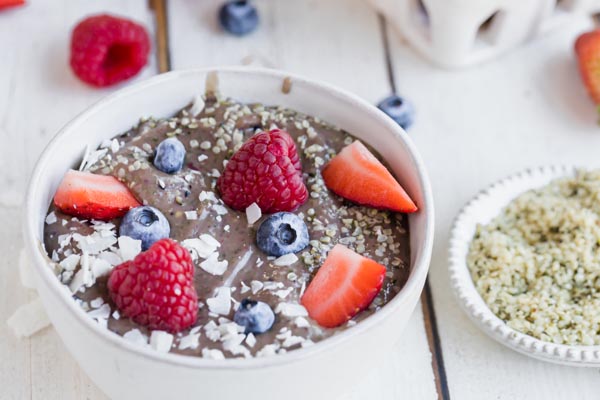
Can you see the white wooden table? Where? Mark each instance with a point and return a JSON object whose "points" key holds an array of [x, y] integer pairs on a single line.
{"points": [[474, 127]]}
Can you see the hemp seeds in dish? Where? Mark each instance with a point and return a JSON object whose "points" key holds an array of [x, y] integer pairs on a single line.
{"points": [[537, 264]]}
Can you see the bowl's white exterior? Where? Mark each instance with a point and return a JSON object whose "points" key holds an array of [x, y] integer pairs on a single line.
{"points": [[123, 370]]}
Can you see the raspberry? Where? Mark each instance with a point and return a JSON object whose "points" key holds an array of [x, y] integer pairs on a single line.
{"points": [[106, 50], [266, 170], [156, 288]]}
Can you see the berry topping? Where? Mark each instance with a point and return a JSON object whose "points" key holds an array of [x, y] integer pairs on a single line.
{"points": [[587, 48], [282, 233], [91, 196], [106, 50], [356, 175], [238, 17], [344, 285], [400, 110], [266, 170], [11, 3], [255, 316], [170, 155], [146, 224], [156, 288]]}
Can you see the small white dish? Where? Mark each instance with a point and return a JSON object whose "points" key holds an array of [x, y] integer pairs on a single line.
{"points": [[481, 210]]}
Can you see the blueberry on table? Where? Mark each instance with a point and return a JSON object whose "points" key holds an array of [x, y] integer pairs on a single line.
{"points": [[255, 316], [282, 233], [399, 109], [238, 17], [170, 155], [146, 224]]}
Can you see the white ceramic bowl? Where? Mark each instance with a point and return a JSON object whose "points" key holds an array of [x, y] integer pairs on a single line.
{"points": [[481, 210], [123, 370]]}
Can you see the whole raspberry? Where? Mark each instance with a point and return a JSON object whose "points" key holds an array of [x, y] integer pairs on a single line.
{"points": [[106, 50], [156, 288], [266, 170]]}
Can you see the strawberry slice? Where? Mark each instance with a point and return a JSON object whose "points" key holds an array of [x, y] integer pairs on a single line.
{"points": [[345, 284], [11, 3], [356, 175], [587, 48], [91, 196]]}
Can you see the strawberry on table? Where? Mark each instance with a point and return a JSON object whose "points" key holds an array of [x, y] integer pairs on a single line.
{"points": [[587, 48], [345, 284], [92, 196], [357, 175]]}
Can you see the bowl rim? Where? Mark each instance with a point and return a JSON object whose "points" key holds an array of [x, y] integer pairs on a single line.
{"points": [[417, 275], [471, 301]]}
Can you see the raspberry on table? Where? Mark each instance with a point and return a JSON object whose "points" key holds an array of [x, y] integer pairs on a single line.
{"points": [[156, 288], [106, 49], [266, 170]]}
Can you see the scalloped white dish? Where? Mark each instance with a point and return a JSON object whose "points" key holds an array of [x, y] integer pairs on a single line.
{"points": [[481, 210]]}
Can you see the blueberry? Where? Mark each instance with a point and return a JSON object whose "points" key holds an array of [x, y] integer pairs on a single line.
{"points": [[238, 17], [255, 316], [282, 233], [169, 156], [146, 224], [400, 110]]}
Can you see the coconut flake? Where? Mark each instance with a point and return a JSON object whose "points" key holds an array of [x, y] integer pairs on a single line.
{"points": [[253, 213], [100, 313], [250, 339], [213, 354], [221, 303], [213, 266], [209, 240], [191, 215], [70, 263], [137, 337], [29, 319], [301, 322], [291, 310], [197, 106], [286, 259], [100, 267], [129, 248], [51, 218], [190, 341], [256, 286], [245, 288], [161, 341]]}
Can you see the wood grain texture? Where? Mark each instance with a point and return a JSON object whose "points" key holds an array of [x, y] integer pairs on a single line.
{"points": [[474, 127], [40, 94]]}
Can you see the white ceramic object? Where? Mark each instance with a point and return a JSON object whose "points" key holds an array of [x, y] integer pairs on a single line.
{"points": [[454, 33], [481, 210], [123, 370]]}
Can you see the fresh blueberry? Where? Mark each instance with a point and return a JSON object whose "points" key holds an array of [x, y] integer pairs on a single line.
{"points": [[282, 233], [238, 17], [169, 156], [146, 224], [255, 316], [400, 110]]}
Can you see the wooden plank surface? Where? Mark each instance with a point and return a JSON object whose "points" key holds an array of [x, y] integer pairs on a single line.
{"points": [[474, 127]]}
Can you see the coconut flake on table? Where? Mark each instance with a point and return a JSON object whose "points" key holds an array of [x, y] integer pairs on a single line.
{"points": [[190, 341], [253, 213], [213, 266], [286, 260], [161, 341], [221, 303], [29, 319], [291, 310], [129, 248], [25, 270], [136, 336]]}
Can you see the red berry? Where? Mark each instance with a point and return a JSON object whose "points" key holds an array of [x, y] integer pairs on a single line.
{"points": [[344, 285], [266, 170], [93, 196], [106, 50], [357, 175], [156, 289]]}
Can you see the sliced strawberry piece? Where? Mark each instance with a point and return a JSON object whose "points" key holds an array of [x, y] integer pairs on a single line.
{"points": [[345, 284], [356, 175], [92, 196], [11, 3]]}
